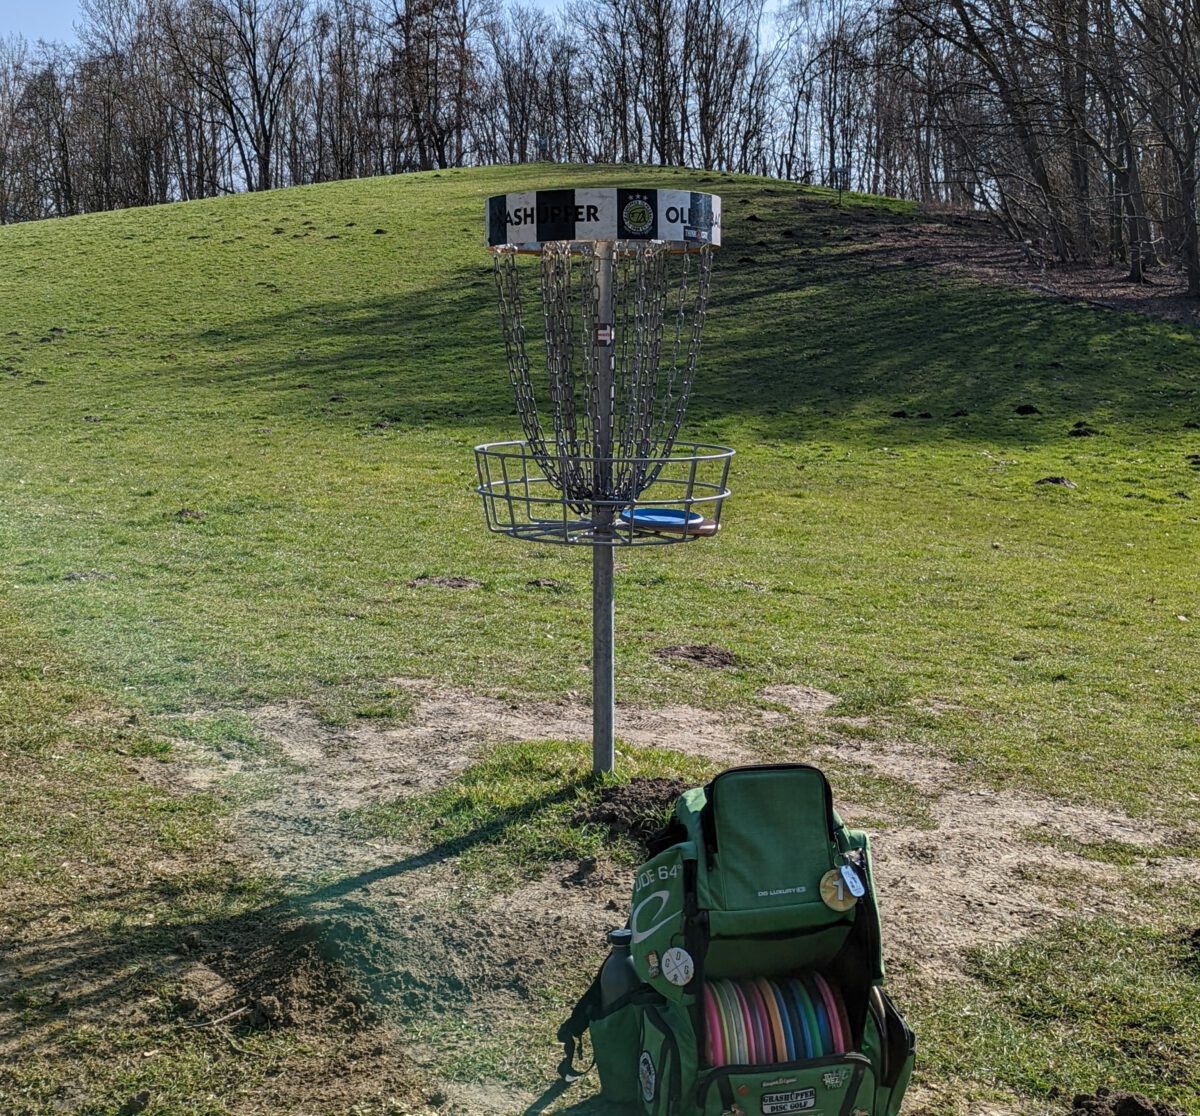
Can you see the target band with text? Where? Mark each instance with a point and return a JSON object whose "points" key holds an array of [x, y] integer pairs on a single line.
{"points": [[685, 220]]}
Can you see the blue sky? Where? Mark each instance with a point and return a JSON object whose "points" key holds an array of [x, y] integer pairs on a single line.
{"points": [[44, 19], [54, 19]]}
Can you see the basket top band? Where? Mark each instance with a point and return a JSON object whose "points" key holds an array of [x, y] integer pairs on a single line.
{"points": [[685, 220]]}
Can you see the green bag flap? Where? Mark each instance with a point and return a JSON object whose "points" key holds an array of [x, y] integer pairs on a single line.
{"points": [[768, 836], [656, 916], [667, 1065]]}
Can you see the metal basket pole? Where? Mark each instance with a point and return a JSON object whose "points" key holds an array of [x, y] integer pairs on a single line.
{"points": [[603, 605], [620, 340]]}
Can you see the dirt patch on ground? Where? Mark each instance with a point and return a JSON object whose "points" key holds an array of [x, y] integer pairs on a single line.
{"points": [[705, 654], [804, 700], [454, 581], [976, 248], [1111, 1102], [296, 817], [213, 985], [992, 870], [637, 809], [407, 934], [976, 878]]}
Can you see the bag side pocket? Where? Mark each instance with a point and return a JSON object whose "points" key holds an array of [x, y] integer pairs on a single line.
{"points": [[659, 1068], [616, 1044], [902, 1047]]}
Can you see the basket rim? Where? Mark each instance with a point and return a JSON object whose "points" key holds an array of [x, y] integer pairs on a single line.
{"points": [[522, 449]]}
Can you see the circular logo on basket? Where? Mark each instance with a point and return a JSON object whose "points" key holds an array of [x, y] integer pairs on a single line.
{"points": [[837, 895], [637, 216], [677, 966], [647, 1078]]}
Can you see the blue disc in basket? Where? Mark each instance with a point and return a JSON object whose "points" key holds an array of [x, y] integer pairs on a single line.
{"points": [[658, 519], [795, 1050]]}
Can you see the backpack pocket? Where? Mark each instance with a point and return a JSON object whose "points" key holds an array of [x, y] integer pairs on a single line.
{"points": [[901, 1054], [659, 1075], [769, 840], [657, 920], [829, 1086], [616, 1037]]}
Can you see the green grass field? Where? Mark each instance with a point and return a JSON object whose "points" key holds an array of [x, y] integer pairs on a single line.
{"points": [[232, 432]]}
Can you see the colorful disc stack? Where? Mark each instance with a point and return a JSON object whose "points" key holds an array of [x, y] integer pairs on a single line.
{"points": [[759, 1022]]}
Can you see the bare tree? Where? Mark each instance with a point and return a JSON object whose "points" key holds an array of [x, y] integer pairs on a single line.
{"points": [[243, 54]]}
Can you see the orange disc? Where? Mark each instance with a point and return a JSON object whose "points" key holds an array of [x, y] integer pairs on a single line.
{"points": [[776, 1022]]}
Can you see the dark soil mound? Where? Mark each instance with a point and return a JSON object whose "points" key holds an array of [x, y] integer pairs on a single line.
{"points": [[706, 654], [638, 809], [1111, 1102], [455, 581], [278, 970]]}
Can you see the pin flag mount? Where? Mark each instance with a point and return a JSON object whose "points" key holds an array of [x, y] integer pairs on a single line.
{"points": [[602, 384]]}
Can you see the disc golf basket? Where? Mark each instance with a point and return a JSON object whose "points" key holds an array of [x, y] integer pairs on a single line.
{"points": [[622, 279]]}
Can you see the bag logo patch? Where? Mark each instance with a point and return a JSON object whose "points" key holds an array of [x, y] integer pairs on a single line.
{"points": [[647, 1076], [798, 1100], [640, 933], [834, 1079], [677, 966]]}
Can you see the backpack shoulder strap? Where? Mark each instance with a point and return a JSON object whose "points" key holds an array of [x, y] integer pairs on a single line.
{"points": [[571, 1032]]}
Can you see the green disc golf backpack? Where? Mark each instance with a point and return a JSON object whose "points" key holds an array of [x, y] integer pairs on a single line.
{"points": [[753, 979]]}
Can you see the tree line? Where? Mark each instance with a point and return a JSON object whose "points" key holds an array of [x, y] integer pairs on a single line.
{"points": [[1075, 123]]}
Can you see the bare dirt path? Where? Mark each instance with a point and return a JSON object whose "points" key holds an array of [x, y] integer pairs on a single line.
{"points": [[987, 872]]}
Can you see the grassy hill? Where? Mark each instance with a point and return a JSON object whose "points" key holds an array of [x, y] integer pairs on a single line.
{"points": [[236, 434]]}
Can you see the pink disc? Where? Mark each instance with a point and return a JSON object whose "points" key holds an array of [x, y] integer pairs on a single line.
{"points": [[840, 1041], [714, 1044], [762, 1022]]}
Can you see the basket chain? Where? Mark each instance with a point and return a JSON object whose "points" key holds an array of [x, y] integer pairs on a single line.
{"points": [[508, 290], [648, 406]]}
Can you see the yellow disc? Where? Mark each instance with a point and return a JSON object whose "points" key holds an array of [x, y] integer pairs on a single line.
{"points": [[834, 891]]}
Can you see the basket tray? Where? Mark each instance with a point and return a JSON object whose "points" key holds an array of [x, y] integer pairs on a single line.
{"points": [[682, 505]]}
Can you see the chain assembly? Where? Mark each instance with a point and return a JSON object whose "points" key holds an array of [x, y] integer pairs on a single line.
{"points": [[650, 387]]}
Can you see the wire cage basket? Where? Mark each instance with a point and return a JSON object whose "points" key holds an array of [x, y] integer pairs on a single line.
{"points": [[619, 280], [682, 504]]}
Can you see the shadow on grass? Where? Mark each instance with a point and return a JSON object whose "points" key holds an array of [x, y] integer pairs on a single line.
{"points": [[813, 316], [306, 960]]}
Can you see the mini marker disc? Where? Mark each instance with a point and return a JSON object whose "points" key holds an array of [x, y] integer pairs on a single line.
{"points": [[835, 893], [677, 966]]}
